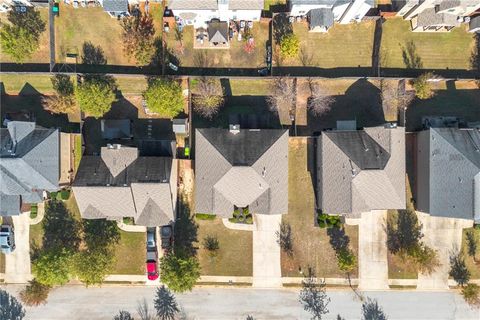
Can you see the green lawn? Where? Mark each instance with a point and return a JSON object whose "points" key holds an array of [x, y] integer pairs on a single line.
{"points": [[442, 50], [235, 255], [233, 57], [473, 266], [42, 55], [27, 84], [75, 26], [311, 245], [2, 263], [131, 85], [347, 45], [130, 253], [78, 151], [463, 103]]}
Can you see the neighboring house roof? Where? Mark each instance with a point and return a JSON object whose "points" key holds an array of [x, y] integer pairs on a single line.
{"points": [[115, 129], [448, 172], [193, 4], [218, 31], [361, 170], [448, 4], [249, 168], [246, 4], [474, 24], [119, 183], [322, 17], [429, 17], [29, 164], [213, 4], [115, 5]]}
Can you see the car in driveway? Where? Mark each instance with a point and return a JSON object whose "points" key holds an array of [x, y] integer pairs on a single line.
{"points": [[166, 232], [151, 239], [152, 265], [7, 239]]}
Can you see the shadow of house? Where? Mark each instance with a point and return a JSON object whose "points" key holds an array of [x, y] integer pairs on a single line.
{"points": [[361, 101], [29, 90]]}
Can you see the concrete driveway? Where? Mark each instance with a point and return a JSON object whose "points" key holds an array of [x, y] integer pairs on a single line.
{"points": [[445, 236], [17, 263], [372, 251], [267, 272]]}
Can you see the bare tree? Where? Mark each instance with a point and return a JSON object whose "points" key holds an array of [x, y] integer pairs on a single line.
{"points": [[393, 97], [144, 311], [320, 103], [313, 296], [283, 95], [208, 97]]}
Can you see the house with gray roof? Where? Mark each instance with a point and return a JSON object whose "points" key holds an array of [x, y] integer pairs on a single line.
{"points": [[115, 8], [200, 12], [321, 13], [448, 173], [474, 25], [29, 164], [241, 168], [436, 15], [119, 183], [360, 170]]}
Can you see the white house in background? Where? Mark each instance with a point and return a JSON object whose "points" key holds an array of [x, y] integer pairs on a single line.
{"points": [[199, 12], [342, 11], [7, 5], [436, 15]]}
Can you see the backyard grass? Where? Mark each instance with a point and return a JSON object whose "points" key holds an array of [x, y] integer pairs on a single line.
{"points": [[313, 250], [26, 84], [74, 27], [2, 263], [131, 85], [130, 253], [347, 45], [234, 257], [42, 55], [473, 267], [442, 50], [233, 57], [463, 103]]}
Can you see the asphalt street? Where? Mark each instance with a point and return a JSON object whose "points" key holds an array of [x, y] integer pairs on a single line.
{"points": [[78, 302]]}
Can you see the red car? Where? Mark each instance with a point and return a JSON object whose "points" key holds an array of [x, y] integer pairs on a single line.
{"points": [[152, 271]]}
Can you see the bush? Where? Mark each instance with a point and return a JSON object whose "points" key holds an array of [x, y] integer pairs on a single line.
{"points": [[128, 220], [471, 294], [328, 221], [346, 260], [289, 45], [33, 210], [34, 293], [64, 194], [211, 244], [423, 88], [164, 97], [205, 216], [458, 270]]}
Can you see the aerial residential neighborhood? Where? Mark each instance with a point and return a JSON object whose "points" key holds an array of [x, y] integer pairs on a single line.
{"points": [[239, 159]]}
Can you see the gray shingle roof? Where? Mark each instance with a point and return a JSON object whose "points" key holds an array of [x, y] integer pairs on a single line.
{"points": [[448, 4], [29, 162], [447, 164], [193, 4], [474, 23], [249, 168], [120, 184], [322, 17], [217, 31], [429, 17], [115, 5], [246, 4], [10, 204], [361, 170]]}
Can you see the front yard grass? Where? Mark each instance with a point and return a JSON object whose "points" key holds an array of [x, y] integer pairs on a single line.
{"points": [[42, 55], [451, 101], [234, 257], [233, 57], [349, 45], [130, 253], [473, 267], [2, 263], [442, 50], [311, 247]]}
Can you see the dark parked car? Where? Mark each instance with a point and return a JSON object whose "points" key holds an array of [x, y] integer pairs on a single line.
{"points": [[166, 232]]}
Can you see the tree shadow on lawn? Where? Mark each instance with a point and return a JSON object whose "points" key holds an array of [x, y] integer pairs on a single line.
{"points": [[361, 102], [475, 58], [281, 26]]}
